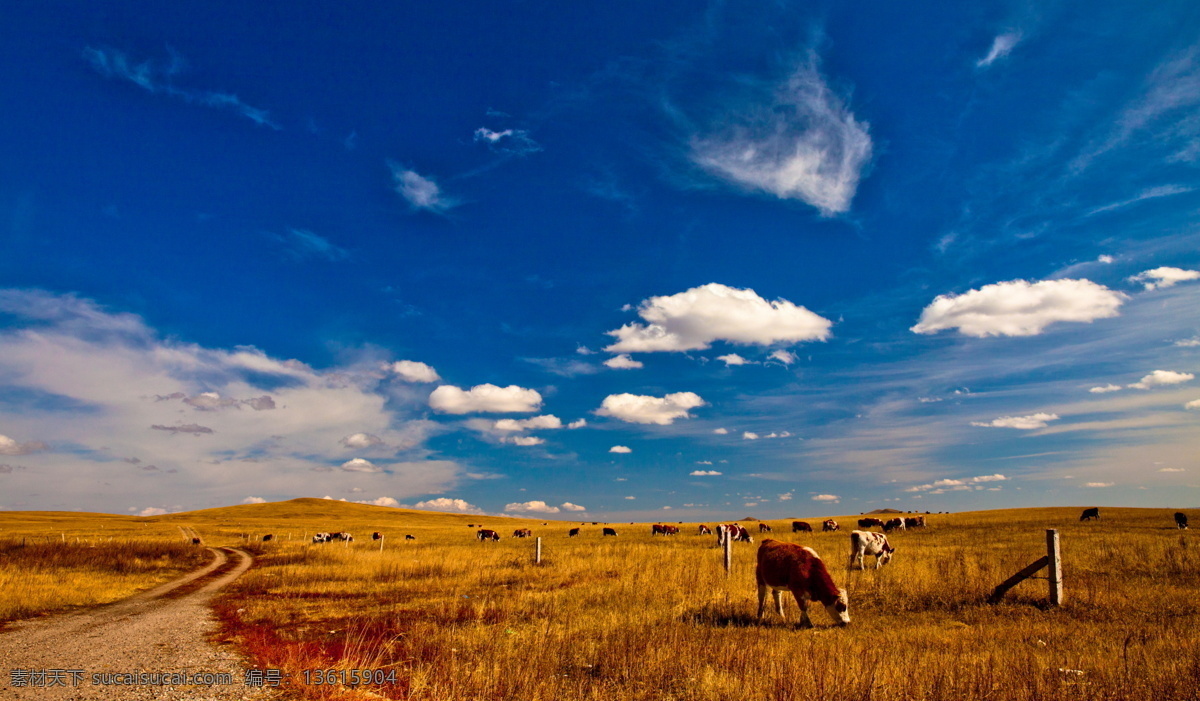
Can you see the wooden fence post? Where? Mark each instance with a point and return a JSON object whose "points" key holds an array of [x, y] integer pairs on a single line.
{"points": [[1055, 567], [381, 545], [537, 557]]}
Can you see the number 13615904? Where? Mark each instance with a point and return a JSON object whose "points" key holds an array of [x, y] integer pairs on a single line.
{"points": [[349, 677]]}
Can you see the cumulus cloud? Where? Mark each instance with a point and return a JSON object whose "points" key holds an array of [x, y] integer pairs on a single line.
{"points": [[1002, 46], [152, 511], [624, 362], [254, 500], [1099, 484], [360, 465], [1194, 404], [414, 371], [524, 441], [704, 473], [956, 485], [9, 446], [382, 501], [447, 504], [358, 441], [694, 319], [568, 506], [641, 409], [1031, 421], [449, 399], [721, 431], [421, 192], [798, 142], [1164, 277], [1162, 378], [531, 507], [578, 423], [749, 436], [1019, 308], [831, 498], [1105, 389], [1106, 259], [733, 359], [620, 449], [547, 421]]}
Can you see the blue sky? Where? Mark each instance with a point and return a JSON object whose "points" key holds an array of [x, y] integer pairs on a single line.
{"points": [[613, 261]]}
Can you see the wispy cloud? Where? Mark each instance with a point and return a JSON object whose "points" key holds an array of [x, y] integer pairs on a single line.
{"points": [[303, 244], [511, 142], [420, 191], [158, 77], [1149, 193], [1002, 46]]}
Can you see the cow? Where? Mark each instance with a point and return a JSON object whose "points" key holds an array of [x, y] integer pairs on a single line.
{"points": [[1089, 514], [268, 538], [829, 525], [915, 522], [734, 532], [487, 534], [801, 527], [704, 530], [573, 532], [893, 525], [790, 567], [869, 543], [346, 537], [610, 531], [410, 537], [869, 522], [322, 538], [522, 533], [376, 536], [1181, 520], [764, 528], [195, 541], [658, 529], [670, 530]]}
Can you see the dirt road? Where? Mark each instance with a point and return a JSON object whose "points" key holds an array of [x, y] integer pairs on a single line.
{"points": [[95, 654]]}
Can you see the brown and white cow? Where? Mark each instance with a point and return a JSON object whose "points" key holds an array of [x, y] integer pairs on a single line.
{"points": [[764, 528], [609, 531], [376, 536], [869, 522], [573, 532], [893, 525], [410, 537], [829, 525], [658, 529], [522, 533], [487, 534], [704, 530], [1181, 520], [914, 522], [790, 567], [670, 530], [322, 538], [734, 531], [864, 543], [801, 527]]}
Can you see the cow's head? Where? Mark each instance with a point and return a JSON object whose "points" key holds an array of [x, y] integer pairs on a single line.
{"points": [[886, 556], [839, 609]]}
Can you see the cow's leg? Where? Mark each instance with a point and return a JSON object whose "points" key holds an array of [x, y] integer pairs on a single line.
{"points": [[762, 599], [778, 601], [802, 601]]}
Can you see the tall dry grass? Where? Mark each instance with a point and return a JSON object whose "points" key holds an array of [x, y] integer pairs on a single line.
{"points": [[642, 617]]}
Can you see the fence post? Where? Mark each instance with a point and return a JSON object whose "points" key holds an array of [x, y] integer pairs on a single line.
{"points": [[537, 558], [728, 553], [1054, 558], [381, 544]]}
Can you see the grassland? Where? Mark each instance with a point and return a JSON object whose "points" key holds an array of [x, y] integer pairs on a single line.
{"points": [[642, 617]]}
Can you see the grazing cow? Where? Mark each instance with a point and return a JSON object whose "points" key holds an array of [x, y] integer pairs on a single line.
{"points": [[894, 524], [487, 534], [764, 528], [322, 538], [734, 532], [573, 532], [376, 536], [410, 537], [195, 541], [1181, 520], [670, 530], [268, 538], [829, 525], [522, 533], [801, 527], [790, 567], [1089, 514], [916, 522], [658, 529], [610, 531], [869, 543], [869, 522], [346, 537], [704, 530]]}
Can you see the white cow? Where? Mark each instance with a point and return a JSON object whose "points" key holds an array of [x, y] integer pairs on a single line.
{"points": [[869, 543], [321, 538]]}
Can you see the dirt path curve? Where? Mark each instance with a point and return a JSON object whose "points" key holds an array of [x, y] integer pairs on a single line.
{"points": [[163, 630]]}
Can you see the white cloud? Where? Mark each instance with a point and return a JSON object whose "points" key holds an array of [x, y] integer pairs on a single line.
{"points": [[694, 319], [798, 142], [733, 359], [9, 446], [783, 356], [832, 498], [721, 431], [1188, 343], [524, 441], [1194, 404], [446, 504], [1171, 469], [989, 478], [545, 421], [1099, 484], [749, 436], [360, 465], [1002, 46], [704, 473], [785, 497], [630, 498], [1105, 388], [515, 142], [641, 409], [531, 507], [357, 441], [414, 371], [152, 511], [1031, 421], [1163, 378], [1164, 277], [383, 501], [568, 506], [449, 399], [578, 423], [1019, 308], [1106, 259], [254, 500], [620, 449], [624, 362], [421, 192]]}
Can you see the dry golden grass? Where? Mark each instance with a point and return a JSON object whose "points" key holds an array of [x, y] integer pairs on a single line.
{"points": [[642, 617]]}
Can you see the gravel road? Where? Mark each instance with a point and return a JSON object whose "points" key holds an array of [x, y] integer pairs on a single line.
{"points": [[163, 630]]}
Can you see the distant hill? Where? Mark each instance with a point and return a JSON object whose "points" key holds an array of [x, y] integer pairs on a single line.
{"points": [[887, 511]]}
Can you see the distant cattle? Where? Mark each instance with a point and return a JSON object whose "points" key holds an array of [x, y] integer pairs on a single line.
{"points": [[915, 522], [704, 530], [670, 530], [864, 543], [346, 537], [764, 528], [522, 533], [801, 527], [410, 537], [733, 531], [268, 538], [610, 531], [470, 525], [487, 534], [658, 529], [321, 538], [1181, 520], [829, 525], [790, 567], [869, 522], [893, 525], [573, 532], [195, 541], [1089, 514], [376, 536]]}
